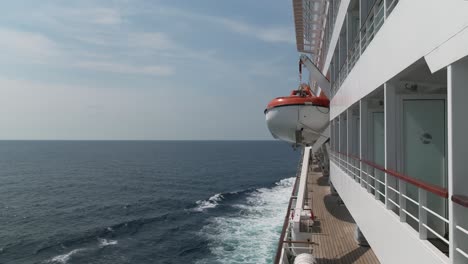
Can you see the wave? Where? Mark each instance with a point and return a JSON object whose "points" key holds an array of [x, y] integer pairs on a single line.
{"points": [[211, 202], [217, 199], [258, 216], [102, 234], [65, 257], [104, 242]]}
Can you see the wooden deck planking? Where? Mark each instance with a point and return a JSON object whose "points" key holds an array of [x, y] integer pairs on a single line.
{"points": [[334, 228]]}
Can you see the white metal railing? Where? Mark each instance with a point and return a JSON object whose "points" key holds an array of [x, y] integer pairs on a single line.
{"points": [[302, 188], [298, 199], [459, 250], [332, 14], [354, 52], [395, 197], [461, 232], [379, 15], [372, 24], [391, 5]]}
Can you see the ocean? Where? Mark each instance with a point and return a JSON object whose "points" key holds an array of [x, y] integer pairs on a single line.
{"points": [[143, 201]]}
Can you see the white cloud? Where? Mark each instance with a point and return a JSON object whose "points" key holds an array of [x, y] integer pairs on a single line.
{"points": [[158, 70], [105, 16], [274, 34], [131, 41], [31, 45], [283, 34], [153, 40], [98, 15]]}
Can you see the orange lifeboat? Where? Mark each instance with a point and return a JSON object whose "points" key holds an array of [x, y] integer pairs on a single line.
{"points": [[299, 118]]}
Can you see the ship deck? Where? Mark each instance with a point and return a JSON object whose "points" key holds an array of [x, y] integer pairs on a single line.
{"points": [[333, 232]]}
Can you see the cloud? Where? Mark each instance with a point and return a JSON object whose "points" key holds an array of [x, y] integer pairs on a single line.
{"points": [[158, 70], [97, 16], [274, 34], [105, 16], [31, 45], [153, 40], [130, 40]]}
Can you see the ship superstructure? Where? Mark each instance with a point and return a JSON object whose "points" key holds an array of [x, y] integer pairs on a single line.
{"points": [[396, 147]]}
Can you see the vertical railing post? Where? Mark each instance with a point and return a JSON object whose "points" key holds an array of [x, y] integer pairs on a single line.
{"points": [[347, 27], [369, 190], [385, 9], [363, 136], [348, 141], [390, 141], [422, 213], [376, 184], [361, 25], [402, 200]]}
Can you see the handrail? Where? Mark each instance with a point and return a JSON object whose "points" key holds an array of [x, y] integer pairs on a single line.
{"points": [[298, 242], [285, 225], [391, 6], [461, 200], [371, 11], [437, 190]]}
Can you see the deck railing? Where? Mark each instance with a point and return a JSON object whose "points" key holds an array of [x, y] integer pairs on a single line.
{"points": [[279, 250], [334, 7], [354, 52], [461, 200], [393, 194], [390, 5], [372, 24], [284, 236]]}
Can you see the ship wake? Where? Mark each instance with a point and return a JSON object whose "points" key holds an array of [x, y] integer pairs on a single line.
{"points": [[250, 232]]}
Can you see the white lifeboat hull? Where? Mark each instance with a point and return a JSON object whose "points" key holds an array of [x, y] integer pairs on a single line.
{"points": [[298, 124]]}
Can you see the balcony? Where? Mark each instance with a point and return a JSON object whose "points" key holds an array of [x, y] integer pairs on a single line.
{"points": [[356, 44], [391, 161]]}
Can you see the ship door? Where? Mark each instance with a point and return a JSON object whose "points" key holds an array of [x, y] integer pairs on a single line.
{"points": [[424, 150]]}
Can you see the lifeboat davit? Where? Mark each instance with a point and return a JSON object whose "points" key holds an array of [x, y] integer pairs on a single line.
{"points": [[299, 118]]}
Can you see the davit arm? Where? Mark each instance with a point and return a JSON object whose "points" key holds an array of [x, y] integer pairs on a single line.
{"points": [[317, 75]]}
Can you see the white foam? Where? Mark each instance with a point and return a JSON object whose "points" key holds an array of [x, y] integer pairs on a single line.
{"points": [[65, 257], [104, 242], [252, 235], [212, 202]]}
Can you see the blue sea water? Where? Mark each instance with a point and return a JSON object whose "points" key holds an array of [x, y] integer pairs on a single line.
{"points": [[143, 201]]}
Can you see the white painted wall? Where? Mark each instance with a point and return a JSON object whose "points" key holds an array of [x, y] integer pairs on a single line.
{"points": [[450, 51], [392, 241], [414, 29]]}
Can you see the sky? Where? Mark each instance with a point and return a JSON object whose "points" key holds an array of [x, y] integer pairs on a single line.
{"points": [[143, 70]]}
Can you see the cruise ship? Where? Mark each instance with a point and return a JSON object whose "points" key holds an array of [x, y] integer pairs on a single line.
{"points": [[382, 124]]}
